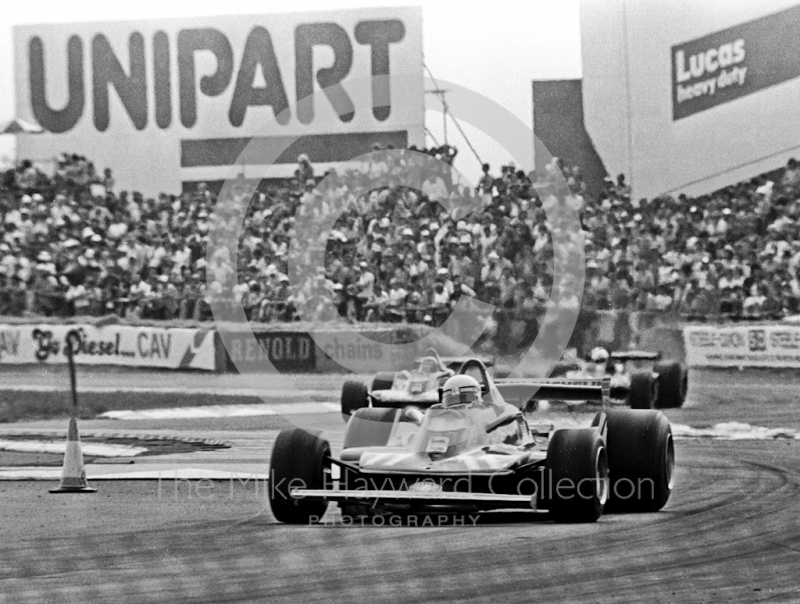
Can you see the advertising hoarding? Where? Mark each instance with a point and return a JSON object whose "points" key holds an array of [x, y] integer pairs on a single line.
{"points": [[286, 351], [167, 101], [123, 345], [689, 97], [729, 64], [743, 346]]}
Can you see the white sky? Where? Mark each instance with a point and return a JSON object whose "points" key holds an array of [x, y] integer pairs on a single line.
{"points": [[494, 48]]}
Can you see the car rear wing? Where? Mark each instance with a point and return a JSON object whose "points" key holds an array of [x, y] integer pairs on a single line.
{"points": [[522, 390], [635, 355], [455, 363]]}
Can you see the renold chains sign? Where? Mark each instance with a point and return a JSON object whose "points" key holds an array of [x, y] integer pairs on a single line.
{"points": [[735, 62]]}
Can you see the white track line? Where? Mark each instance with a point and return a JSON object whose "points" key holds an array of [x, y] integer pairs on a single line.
{"points": [[734, 431], [221, 411], [272, 394], [98, 449], [167, 476]]}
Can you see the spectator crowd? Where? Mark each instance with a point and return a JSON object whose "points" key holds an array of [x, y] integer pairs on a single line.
{"points": [[73, 244]]}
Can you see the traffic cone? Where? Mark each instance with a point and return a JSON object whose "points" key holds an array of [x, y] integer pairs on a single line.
{"points": [[73, 476]]}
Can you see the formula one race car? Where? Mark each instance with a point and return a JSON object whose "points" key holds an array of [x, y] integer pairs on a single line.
{"points": [[639, 379], [418, 387], [473, 452]]}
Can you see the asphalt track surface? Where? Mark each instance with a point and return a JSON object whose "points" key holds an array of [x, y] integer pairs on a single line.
{"points": [[731, 532]]}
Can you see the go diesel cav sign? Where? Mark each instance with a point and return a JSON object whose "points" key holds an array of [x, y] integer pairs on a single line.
{"points": [[735, 62], [185, 94]]}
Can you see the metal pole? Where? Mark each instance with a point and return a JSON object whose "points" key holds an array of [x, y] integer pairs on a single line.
{"points": [[444, 115]]}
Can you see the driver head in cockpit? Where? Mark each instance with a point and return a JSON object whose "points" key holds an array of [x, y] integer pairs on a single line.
{"points": [[428, 365], [461, 390], [599, 356]]}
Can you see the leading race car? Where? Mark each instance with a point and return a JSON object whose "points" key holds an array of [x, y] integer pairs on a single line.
{"points": [[473, 451], [419, 387]]}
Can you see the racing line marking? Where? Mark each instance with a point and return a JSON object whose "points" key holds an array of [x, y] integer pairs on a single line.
{"points": [[220, 411]]}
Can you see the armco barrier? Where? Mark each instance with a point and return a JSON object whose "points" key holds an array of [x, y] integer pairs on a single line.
{"points": [[123, 345]]}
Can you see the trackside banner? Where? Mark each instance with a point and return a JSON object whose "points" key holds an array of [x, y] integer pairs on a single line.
{"points": [[172, 100], [108, 345], [287, 351], [743, 346], [735, 62]]}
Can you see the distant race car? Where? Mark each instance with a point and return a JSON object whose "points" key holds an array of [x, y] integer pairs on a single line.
{"points": [[638, 379], [419, 387], [473, 451]]}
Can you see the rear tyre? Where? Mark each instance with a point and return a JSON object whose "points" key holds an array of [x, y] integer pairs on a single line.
{"points": [[673, 382], [577, 472], [641, 460], [383, 381], [643, 391], [300, 459], [370, 427], [354, 396]]}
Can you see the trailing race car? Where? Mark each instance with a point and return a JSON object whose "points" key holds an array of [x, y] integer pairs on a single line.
{"points": [[418, 387], [473, 451], [639, 379]]}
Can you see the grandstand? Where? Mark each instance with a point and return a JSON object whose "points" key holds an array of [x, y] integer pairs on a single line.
{"points": [[75, 245]]}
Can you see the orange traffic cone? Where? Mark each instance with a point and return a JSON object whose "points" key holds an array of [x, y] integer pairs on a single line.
{"points": [[73, 476]]}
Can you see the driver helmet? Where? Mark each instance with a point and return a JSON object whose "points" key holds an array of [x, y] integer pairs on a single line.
{"points": [[428, 365], [599, 355], [461, 390]]}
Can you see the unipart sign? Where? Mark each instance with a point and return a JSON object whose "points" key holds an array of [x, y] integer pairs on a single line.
{"points": [[217, 78], [735, 62]]}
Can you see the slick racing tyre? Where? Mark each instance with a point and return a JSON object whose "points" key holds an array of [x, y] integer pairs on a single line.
{"points": [[641, 460], [576, 476], [301, 459], [354, 396], [383, 381], [644, 391], [673, 381], [370, 427]]}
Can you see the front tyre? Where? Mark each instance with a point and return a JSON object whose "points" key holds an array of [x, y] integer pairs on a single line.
{"points": [[576, 472], [641, 460], [300, 459]]}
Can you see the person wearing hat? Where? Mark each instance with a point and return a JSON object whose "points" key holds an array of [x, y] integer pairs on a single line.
{"points": [[460, 287], [492, 269], [376, 304], [395, 309], [44, 286]]}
